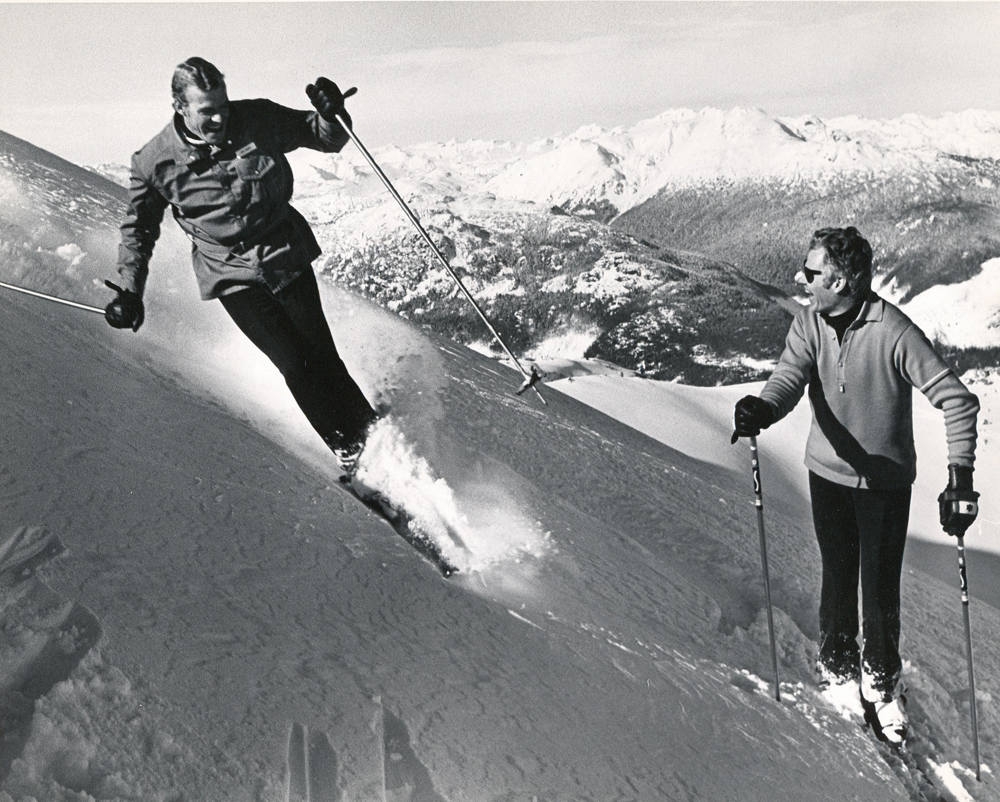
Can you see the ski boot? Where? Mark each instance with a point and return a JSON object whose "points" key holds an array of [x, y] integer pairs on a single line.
{"points": [[885, 713], [347, 455]]}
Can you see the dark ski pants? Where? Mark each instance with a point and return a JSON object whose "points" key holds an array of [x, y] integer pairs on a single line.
{"points": [[290, 328], [860, 531]]}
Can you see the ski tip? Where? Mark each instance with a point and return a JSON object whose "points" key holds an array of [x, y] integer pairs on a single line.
{"points": [[400, 521], [431, 552]]}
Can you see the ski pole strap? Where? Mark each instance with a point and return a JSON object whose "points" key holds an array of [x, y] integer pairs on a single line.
{"points": [[963, 576], [755, 465]]}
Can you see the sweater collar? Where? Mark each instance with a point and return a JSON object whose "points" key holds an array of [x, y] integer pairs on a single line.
{"points": [[873, 309]]}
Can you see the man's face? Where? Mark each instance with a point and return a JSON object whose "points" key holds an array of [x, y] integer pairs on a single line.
{"points": [[819, 279], [206, 114]]}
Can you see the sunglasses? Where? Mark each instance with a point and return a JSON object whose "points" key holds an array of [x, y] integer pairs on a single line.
{"points": [[809, 273]]}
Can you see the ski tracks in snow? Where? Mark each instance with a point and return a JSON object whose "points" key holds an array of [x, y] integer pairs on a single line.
{"points": [[44, 637], [312, 767], [380, 767]]}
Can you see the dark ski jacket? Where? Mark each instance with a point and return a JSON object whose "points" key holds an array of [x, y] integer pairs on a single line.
{"points": [[861, 395], [232, 202]]}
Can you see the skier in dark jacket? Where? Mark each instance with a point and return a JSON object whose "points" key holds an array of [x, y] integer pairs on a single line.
{"points": [[860, 356], [220, 167]]}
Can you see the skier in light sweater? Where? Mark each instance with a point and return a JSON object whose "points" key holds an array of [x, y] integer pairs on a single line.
{"points": [[859, 357]]}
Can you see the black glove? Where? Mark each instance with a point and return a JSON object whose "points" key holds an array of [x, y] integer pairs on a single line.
{"points": [[327, 98], [750, 416], [126, 311], [958, 502]]}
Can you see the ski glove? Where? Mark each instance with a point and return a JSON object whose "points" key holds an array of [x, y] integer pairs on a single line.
{"points": [[751, 415], [958, 503], [126, 311], [327, 98]]}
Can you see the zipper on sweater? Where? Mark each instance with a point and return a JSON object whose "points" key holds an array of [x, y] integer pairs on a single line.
{"points": [[842, 358], [842, 336], [841, 383]]}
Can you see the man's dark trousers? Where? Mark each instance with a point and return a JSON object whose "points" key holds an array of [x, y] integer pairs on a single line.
{"points": [[862, 531], [290, 328]]}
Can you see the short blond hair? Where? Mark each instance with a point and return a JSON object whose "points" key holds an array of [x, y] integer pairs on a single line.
{"points": [[196, 72]]}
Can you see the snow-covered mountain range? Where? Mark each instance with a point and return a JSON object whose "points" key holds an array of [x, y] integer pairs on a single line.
{"points": [[740, 186], [614, 170]]}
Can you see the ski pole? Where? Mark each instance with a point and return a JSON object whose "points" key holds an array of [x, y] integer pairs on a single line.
{"points": [[437, 252], [968, 649], [759, 504], [42, 295]]}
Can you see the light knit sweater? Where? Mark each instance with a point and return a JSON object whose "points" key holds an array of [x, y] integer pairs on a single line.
{"points": [[861, 395]]}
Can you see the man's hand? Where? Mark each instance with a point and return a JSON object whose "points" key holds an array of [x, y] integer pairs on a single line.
{"points": [[327, 98], [958, 502], [750, 416], [126, 311]]}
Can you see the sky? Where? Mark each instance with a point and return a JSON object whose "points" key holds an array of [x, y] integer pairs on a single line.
{"points": [[90, 81]]}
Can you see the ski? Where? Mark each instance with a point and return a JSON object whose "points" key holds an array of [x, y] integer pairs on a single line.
{"points": [[403, 524], [913, 772], [908, 760]]}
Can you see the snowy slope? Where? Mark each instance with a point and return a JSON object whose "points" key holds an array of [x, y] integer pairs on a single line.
{"points": [[783, 447], [614, 648], [965, 314]]}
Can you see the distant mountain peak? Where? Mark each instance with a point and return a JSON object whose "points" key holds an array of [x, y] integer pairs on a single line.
{"points": [[618, 168]]}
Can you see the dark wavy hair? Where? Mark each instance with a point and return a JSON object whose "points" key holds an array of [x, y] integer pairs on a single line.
{"points": [[850, 254], [196, 72]]}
